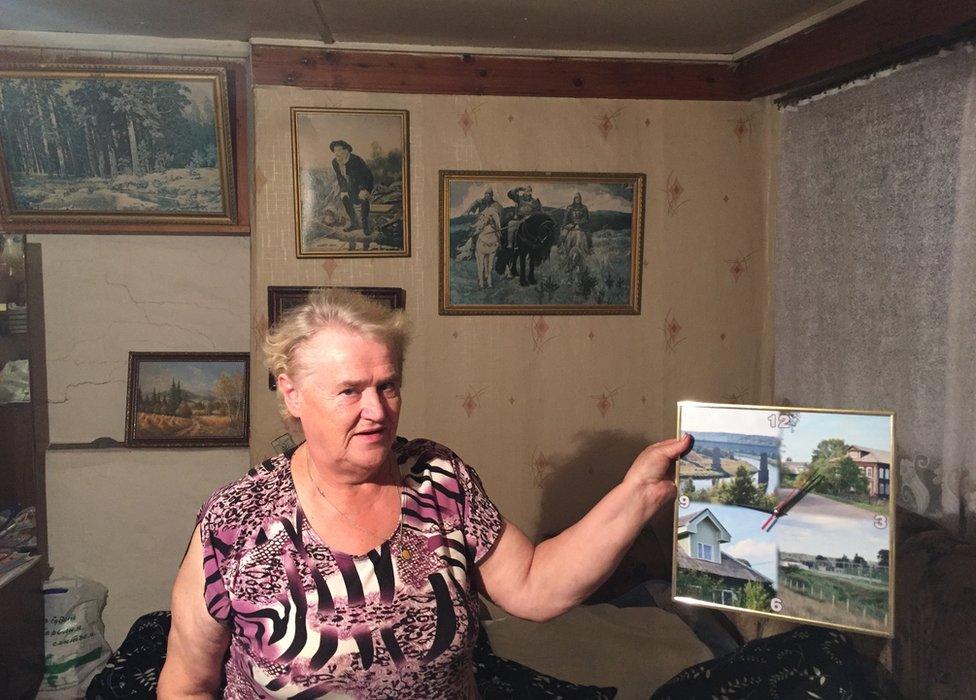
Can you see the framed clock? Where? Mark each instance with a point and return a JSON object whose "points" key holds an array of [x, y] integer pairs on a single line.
{"points": [[788, 512]]}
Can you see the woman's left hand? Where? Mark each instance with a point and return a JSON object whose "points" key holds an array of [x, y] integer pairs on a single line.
{"points": [[652, 473]]}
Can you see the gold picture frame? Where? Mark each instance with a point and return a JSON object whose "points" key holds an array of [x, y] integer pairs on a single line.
{"points": [[804, 499], [540, 243], [120, 144], [351, 181]]}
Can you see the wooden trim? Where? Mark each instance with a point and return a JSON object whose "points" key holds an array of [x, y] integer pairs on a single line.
{"points": [[81, 227], [237, 104], [470, 74], [866, 37]]}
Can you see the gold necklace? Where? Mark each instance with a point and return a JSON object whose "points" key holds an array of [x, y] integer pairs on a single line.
{"points": [[405, 552]]}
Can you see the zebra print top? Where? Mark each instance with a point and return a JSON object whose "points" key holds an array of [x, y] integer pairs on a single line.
{"points": [[399, 621]]}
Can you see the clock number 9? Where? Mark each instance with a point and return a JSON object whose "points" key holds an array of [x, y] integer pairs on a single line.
{"points": [[684, 501], [776, 605], [881, 521]]}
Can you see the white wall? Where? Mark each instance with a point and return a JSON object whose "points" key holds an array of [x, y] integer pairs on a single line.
{"points": [[121, 516]]}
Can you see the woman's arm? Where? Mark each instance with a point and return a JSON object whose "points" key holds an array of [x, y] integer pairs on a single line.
{"points": [[541, 582], [197, 642]]}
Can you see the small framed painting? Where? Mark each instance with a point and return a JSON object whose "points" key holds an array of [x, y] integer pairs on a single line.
{"points": [[788, 512], [186, 399], [280, 299], [540, 243], [101, 144], [351, 181]]}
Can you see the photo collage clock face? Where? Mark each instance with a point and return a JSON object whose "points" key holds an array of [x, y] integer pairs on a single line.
{"points": [[787, 512]]}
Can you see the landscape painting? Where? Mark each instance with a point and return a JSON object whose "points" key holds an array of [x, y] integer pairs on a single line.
{"points": [[540, 243], [352, 182], [116, 145], [187, 400], [788, 512]]}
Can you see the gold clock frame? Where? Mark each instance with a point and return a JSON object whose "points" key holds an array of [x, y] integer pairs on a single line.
{"points": [[892, 523]]}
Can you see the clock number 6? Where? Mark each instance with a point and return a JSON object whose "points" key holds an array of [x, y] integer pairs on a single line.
{"points": [[776, 605]]}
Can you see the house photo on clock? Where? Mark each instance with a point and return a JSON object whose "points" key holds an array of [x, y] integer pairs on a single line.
{"points": [[787, 512]]}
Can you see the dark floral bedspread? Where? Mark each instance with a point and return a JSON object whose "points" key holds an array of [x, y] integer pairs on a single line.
{"points": [[133, 670], [807, 663]]}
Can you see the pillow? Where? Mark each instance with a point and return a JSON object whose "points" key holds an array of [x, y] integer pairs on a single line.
{"points": [[632, 649]]}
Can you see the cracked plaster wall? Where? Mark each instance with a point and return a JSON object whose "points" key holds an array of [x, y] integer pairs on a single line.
{"points": [[122, 516]]}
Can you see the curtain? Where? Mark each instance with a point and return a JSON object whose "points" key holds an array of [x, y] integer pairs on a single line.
{"points": [[875, 269]]}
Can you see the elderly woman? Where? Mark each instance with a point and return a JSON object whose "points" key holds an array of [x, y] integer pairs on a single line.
{"points": [[350, 566]]}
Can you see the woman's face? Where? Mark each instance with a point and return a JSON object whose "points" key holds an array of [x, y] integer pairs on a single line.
{"points": [[348, 401]]}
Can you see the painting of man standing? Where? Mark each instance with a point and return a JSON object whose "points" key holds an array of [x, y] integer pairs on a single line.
{"points": [[355, 184]]}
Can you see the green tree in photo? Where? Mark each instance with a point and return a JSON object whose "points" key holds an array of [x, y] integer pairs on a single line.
{"points": [[756, 596], [696, 584], [847, 479], [742, 491], [841, 475], [828, 450]]}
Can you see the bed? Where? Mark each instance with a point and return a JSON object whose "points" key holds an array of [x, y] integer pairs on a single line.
{"points": [[628, 649]]}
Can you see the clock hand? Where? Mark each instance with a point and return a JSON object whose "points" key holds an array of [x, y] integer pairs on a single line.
{"points": [[784, 506], [807, 488]]}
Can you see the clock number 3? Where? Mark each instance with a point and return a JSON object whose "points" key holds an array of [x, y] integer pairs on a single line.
{"points": [[776, 605], [881, 521]]}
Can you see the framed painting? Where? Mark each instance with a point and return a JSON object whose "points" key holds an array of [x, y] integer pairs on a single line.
{"points": [[540, 243], [788, 512], [280, 299], [116, 145], [187, 399], [351, 182]]}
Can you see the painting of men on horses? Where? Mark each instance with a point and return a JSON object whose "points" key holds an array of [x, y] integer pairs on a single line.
{"points": [[533, 243]]}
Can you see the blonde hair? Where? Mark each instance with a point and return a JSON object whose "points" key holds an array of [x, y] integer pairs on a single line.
{"points": [[329, 308]]}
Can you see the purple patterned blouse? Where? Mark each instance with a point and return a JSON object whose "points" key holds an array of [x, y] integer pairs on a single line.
{"points": [[399, 621]]}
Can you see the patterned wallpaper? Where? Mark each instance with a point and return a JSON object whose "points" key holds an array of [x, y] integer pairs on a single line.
{"points": [[551, 409]]}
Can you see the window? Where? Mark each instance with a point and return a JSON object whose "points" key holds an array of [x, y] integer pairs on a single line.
{"points": [[704, 551], [729, 597], [869, 471]]}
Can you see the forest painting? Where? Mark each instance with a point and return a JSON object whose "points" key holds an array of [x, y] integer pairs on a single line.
{"points": [[119, 145], [187, 400]]}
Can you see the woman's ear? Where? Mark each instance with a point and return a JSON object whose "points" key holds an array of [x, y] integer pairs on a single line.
{"points": [[291, 394]]}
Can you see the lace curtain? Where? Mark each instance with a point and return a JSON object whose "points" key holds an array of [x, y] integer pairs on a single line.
{"points": [[875, 269]]}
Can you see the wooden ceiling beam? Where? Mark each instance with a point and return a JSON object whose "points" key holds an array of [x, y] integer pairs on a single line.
{"points": [[870, 35], [470, 74]]}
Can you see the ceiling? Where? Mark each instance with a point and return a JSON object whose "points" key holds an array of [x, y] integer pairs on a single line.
{"points": [[654, 27]]}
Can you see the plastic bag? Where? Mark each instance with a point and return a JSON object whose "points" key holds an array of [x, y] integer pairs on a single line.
{"points": [[74, 636]]}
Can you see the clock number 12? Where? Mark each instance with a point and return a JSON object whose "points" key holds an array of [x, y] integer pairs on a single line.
{"points": [[779, 420]]}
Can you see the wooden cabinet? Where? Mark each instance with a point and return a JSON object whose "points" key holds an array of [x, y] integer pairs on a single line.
{"points": [[23, 442]]}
